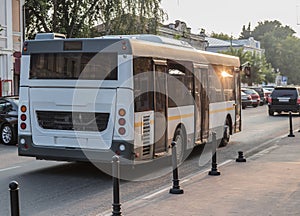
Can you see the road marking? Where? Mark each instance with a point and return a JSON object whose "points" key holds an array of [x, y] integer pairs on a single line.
{"points": [[9, 168]]}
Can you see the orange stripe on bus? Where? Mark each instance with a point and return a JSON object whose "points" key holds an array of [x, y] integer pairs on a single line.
{"points": [[171, 118], [221, 110]]}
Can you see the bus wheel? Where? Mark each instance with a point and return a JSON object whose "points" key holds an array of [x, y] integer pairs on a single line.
{"points": [[179, 138], [226, 135]]}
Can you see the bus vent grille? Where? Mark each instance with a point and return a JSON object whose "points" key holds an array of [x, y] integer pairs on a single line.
{"points": [[146, 150], [76, 121], [146, 135]]}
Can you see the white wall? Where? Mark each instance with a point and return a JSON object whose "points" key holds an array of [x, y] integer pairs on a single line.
{"points": [[6, 46]]}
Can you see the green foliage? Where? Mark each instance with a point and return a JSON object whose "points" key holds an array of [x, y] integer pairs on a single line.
{"points": [[221, 36], [274, 28], [77, 18], [246, 33], [261, 70], [282, 49]]}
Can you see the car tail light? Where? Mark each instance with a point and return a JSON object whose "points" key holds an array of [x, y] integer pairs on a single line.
{"points": [[298, 100], [269, 100]]}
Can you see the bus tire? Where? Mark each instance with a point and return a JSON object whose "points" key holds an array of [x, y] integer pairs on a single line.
{"points": [[180, 139], [226, 134]]}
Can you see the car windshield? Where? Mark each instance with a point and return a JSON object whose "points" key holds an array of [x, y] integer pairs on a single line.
{"points": [[16, 101], [249, 91]]}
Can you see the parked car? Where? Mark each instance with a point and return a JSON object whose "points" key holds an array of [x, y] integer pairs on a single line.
{"points": [[267, 93], [284, 99], [269, 87], [246, 100], [254, 95], [261, 93], [9, 119]]}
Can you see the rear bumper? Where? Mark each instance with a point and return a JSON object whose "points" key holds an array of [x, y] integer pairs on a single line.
{"points": [[246, 103], [74, 154], [284, 108]]}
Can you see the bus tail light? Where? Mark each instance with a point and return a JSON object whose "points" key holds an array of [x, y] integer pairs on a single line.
{"points": [[122, 131], [23, 126], [25, 46], [23, 117], [122, 121]]}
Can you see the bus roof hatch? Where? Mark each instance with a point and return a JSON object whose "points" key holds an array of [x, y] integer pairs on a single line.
{"points": [[46, 36]]}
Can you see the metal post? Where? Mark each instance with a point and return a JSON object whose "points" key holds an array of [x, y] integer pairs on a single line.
{"points": [[116, 185], [214, 168], [176, 188], [291, 125], [14, 198], [240, 157]]}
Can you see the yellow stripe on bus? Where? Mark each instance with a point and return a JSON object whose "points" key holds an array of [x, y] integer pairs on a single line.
{"points": [[171, 118], [221, 110]]}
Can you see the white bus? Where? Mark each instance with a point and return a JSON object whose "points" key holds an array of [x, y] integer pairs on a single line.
{"points": [[91, 98]]}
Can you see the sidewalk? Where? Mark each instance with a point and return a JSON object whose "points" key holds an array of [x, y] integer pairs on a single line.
{"points": [[267, 184]]}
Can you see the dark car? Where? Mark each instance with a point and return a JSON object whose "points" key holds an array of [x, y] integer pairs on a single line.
{"points": [[254, 95], [246, 100], [9, 119], [284, 99], [261, 93]]}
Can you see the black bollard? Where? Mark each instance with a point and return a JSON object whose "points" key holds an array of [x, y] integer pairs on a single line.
{"points": [[291, 125], [14, 198], [116, 186], [176, 188], [240, 157], [214, 168]]}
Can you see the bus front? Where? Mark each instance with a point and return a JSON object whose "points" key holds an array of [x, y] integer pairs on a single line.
{"points": [[76, 99]]}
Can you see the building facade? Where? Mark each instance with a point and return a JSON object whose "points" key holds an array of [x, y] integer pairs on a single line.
{"points": [[10, 46], [251, 45], [179, 30]]}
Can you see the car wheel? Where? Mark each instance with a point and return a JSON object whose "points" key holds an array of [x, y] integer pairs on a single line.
{"points": [[7, 135], [226, 135], [271, 113]]}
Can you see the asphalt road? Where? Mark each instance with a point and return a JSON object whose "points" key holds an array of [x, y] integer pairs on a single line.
{"points": [[59, 188]]}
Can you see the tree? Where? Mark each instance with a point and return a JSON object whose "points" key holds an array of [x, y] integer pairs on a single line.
{"points": [[71, 17], [288, 59], [76, 18], [133, 17], [246, 33], [274, 27], [261, 71], [282, 49], [221, 36]]}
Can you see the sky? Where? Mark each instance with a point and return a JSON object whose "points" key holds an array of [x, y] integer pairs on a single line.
{"points": [[229, 16]]}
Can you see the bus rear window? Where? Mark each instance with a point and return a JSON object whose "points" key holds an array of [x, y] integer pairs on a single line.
{"points": [[75, 65]]}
